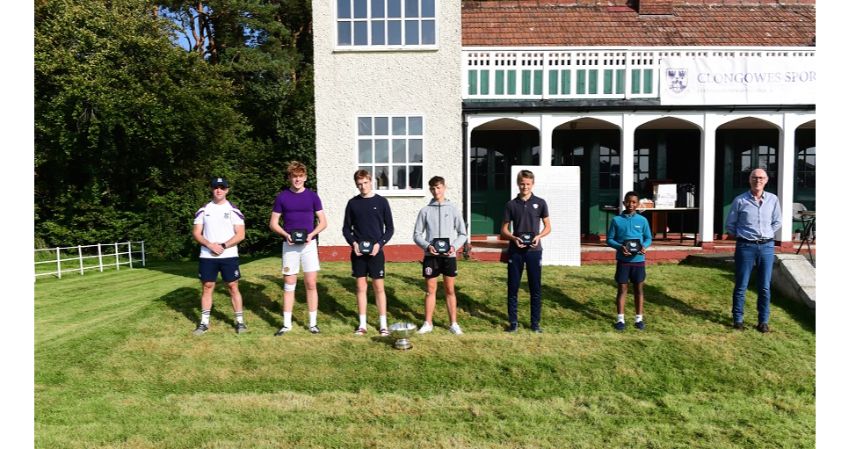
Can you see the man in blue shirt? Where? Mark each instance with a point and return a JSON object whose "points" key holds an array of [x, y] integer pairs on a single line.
{"points": [[753, 218]]}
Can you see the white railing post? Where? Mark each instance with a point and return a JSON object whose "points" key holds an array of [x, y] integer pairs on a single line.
{"points": [[99, 258], [80, 253], [142, 251], [130, 252], [117, 259], [58, 263]]}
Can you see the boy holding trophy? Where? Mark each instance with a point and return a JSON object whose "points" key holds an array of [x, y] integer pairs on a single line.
{"points": [[439, 231], [368, 226], [630, 235]]}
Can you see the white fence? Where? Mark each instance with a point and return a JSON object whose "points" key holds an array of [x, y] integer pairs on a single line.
{"points": [[80, 258]]}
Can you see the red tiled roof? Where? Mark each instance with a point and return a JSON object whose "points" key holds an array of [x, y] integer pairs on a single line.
{"points": [[578, 23]]}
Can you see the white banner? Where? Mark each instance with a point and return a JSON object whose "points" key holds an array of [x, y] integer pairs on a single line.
{"points": [[560, 187], [737, 81]]}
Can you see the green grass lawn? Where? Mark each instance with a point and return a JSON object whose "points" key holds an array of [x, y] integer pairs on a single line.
{"points": [[116, 365]]}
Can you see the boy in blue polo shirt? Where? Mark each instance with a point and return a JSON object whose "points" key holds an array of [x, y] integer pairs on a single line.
{"points": [[630, 235]]}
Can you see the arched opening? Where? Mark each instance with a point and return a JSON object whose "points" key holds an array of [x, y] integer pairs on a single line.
{"points": [[594, 146], [743, 145], [494, 148], [667, 151]]}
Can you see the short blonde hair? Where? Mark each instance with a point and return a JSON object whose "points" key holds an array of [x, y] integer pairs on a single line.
{"points": [[296, 168]]}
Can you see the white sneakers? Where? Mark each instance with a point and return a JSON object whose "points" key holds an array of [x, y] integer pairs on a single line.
{"points": [[428, 328]]}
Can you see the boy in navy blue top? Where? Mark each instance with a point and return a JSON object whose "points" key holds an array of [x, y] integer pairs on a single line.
{"points": [[525, 213], [368, 226], [630, 235]]}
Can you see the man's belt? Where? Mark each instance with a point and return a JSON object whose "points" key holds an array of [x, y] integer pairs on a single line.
{"points": [[758, 241]]}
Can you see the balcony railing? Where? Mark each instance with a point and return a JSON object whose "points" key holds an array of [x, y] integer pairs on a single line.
{"points": [[585, 73]]}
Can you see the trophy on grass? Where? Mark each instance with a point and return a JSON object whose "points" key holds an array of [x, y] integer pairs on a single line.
{"points": [[400, 332]]}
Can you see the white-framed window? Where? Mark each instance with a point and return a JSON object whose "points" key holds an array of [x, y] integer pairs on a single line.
{"points": [[391, 148], [385, 24]]}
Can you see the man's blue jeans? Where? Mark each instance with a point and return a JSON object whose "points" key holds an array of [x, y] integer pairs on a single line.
{"points": [[748, 256], [515, 266]]}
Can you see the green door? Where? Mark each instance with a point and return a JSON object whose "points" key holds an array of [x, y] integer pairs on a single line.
{"points": [[493, 154]]}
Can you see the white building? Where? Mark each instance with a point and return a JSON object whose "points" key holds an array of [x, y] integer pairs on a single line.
{"points": [[698, 93]]}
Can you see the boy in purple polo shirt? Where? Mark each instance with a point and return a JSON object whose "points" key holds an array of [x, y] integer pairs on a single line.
{"points": [[299, 207]]}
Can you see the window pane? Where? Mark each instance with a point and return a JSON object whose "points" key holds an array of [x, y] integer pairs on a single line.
{"points": [[428, 32], [343, 9], [381, 126], [364, 126], [428, 8], [415, 150], [360, 9], [381, 177], [399, 150], [411, 8], [394, 32], [400, 179], [415, 126], [411, 32], [378, 32], [381, 150], [360, 32], [399, 126], [416, 177], [343, 32], [365, 151], [394, 7], [366, 167], [378, 10]]}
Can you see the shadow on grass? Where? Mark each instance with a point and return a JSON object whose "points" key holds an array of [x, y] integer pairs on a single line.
{"points": [[186, 301], [656, 295], [395, 307], [565, 301], [465, 302], [800, 313]]}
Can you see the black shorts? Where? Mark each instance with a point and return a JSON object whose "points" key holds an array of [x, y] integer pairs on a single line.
{"points": [[635, 272], [371, 266], [208, 269], [433, 266]]}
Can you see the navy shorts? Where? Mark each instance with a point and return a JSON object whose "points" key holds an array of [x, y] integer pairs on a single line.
{"points": [[433, 266], [635, 272], [371, 266], [208, 269]]}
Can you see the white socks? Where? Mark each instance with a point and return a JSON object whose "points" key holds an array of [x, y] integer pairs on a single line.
{"points": [[620, 318], [204, 317], [363, 323], [287, 319], [313, 318], [638, 318], [383, 322], [240, 318]]}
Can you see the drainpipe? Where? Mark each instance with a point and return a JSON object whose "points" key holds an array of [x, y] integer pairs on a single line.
{"points": [[467, 247]]}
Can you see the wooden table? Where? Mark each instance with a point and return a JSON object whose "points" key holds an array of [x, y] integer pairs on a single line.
{"points": [[660, 216]]}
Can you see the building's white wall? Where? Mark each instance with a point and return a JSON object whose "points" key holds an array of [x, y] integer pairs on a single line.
{"points": [[352, 83]]}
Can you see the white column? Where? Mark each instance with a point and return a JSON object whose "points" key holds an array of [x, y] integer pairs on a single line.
{"points": [[626, 157], [786, 145], [468, 167], [707, 179], [545, 138]]}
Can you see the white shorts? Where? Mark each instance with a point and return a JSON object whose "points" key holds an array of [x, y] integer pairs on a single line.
{"points": [[295, 256]]}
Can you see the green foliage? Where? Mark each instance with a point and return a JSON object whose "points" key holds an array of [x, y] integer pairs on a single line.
{"points": [[116, 365], [129, 126]]}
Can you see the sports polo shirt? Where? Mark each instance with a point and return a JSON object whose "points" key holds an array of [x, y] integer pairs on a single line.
{"points": [[526, 216], [218, 222]]}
